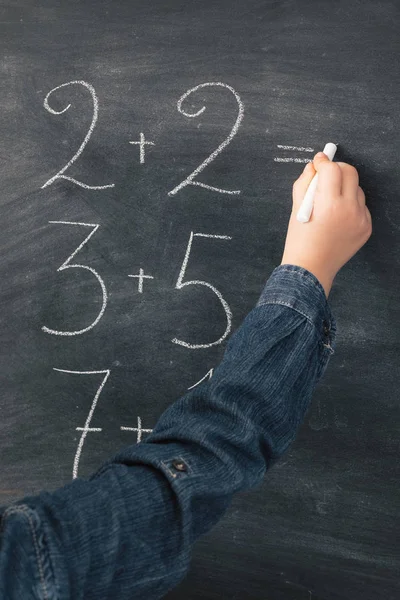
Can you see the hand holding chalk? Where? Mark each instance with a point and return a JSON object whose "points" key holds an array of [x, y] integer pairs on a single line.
{"points": [[307, 205], [341, 222]]}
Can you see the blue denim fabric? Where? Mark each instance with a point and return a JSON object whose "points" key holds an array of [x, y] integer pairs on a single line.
{"points": [[128, 531]]}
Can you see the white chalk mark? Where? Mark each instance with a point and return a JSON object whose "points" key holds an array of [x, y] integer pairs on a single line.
{"points": [[206, 376], [139, 429], [298, 148], [211, 235], [214, 189], [179, 285], [190, 180], [292, 160], [66, 266], [141, 276], [60, 174], [142, 145], [86, 429]]}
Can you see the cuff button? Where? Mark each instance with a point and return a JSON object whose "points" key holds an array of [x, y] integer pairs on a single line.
{"points": [[179, 465], [326, 328]]}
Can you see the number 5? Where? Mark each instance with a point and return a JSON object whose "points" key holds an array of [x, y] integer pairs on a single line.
{"points": [[179, 285]]}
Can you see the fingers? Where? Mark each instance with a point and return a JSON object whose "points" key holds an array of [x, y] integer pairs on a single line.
{"points": [[360, 197], [301, 184], [334, 180], [364, 208], [329, 175], [368, 215], [350, 180]]}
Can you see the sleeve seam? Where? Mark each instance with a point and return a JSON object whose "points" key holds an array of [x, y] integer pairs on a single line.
{"points": [[306, 274], [24, 510], [283, 303]]}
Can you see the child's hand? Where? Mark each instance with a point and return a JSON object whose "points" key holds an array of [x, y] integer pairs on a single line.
{"points": [[340, 223]]}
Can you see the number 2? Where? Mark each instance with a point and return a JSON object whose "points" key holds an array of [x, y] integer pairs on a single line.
{"points": [[179, 285], [60, 174], [190, 180]]}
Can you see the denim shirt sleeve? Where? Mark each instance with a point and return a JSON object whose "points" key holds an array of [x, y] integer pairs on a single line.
{"points": [[127, 532]]}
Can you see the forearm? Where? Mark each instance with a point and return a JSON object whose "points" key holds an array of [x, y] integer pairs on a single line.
{"points": [[128, 531], [247, 415]]}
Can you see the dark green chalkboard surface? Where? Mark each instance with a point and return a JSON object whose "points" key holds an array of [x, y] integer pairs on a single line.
{"points": [[147, 154]]}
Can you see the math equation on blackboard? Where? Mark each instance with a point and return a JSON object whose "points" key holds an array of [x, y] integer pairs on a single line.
{"points": [[143, 278]]}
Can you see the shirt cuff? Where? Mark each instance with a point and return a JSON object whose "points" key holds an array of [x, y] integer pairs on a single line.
{"points": [[297, 288]]}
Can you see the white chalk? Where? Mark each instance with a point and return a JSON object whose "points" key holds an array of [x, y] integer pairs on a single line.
{"points": [[191, 179], [306, 207], [86, 429], [81, 148], [139, 429], [67, 265], [181, 284]]}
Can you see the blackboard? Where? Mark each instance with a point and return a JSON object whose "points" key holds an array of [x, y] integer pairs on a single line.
{"points": [[283, 78]]}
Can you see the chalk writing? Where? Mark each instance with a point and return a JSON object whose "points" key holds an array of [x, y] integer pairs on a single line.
{"points": [[292, 160], [66, 265], [286, 159], [190, 180], [179, 285], [299, 148], [141, 276], [142, 143], [139, 430], [60, 174], [86, 429], [208, 376]]}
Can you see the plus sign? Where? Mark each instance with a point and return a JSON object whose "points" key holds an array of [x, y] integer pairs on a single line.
{"points": [[139, 429], [141, 277], [142, 143]]}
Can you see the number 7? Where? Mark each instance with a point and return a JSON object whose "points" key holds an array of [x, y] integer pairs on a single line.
{"points": [[86, 429], [180, 284]]}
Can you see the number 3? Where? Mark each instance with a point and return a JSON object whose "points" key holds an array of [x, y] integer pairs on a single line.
{"points": [[66, 265]]}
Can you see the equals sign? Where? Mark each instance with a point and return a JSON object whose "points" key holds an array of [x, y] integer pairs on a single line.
{"points": [[284, 159]]}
